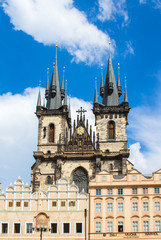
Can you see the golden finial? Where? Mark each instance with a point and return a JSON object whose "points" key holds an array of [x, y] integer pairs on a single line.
{"points": [[109, 43], [56, 44], [119, 68], [64, 69], [39, 83]]}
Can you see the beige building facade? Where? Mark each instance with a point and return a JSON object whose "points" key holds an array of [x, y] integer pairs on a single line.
{"points": [[61, 212], [125, 206]]}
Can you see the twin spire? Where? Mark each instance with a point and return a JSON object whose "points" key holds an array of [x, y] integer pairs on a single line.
{"points": [[56, 96], [110, 91]]}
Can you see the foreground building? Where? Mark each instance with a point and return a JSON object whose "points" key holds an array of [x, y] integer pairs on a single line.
{"points": [[82, 184], [59, 213], [125, 206]]}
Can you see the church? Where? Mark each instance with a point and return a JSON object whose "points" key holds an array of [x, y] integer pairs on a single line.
{"points": [[82, 183]]}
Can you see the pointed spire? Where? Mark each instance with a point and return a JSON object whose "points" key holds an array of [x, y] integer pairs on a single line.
{"points": [[110, 97], [47, 85], [102, 82], [95, 95], [118, 81], [125, 93], [62, 86], [39, 96], [54, 99]]}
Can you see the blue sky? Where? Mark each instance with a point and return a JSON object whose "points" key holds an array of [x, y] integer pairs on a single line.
{"points": [[29, 31]]}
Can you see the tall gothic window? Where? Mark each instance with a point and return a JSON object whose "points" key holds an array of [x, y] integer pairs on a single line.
{"points": [[111, 130], [51, 132], [48, 180], [80, 178]]}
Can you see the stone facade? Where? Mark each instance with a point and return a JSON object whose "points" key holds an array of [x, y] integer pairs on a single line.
{"points": [[125, 206]]}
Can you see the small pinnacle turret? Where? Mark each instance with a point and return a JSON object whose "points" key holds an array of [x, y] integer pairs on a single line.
{"points": [[95, 95], [118, 82], [102, 84], [125, 93], [39, 99], [47, 85], [62, 86]]}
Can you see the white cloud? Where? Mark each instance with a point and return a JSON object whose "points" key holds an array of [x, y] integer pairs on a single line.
{"points": [[110, 9], [154, 3], [143, 1], [129, 48], [137, 158], [18, 128], [145, 128], [48, 21]]}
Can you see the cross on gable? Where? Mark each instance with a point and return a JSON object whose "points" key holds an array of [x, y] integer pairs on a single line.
{"points": [[80, 111]]}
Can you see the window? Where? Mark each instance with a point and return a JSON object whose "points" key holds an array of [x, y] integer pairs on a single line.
{"points": [[26, 204], [109, 226], [18, 204], [145, 226], [109, 207], [104, 178], [145, 206], [17, 228], [111, 166], [54, 203], [156, 190], [111, 130], [71, 203], [51, 133], [134, 178], [48, 180], [29, 228], [135, 226], [120, 207], [109, 191], [10, 204], [145, 190], [158, 225], [120, 191], [53, 227], [4, 228], [134, 206], [98, 191], [98, 207], [98, 226], [134, 191], [157, 206], [62, 203], [66, 228], [120, 227], [78, 227]]}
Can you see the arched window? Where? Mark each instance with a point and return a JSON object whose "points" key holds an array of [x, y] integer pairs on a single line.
{"points": [[111, 130], [51, 132], [111, 167], [48, 180], [80, 178]]}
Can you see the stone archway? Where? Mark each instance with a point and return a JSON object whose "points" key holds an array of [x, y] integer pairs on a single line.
{"points": [[80, 178]]}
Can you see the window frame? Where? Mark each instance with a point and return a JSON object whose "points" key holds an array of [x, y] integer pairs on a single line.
{"points": [[145, 206], [56, 227], [98, 227], [110, 227], [109, 207], [27, 229], [14, 227], [120, 207], [146, 227], [120, 191], [7, 227], [98, 207], [135, 226], [76, 227], [134, 206], [111, 130], [98, 191], [63, 227]]}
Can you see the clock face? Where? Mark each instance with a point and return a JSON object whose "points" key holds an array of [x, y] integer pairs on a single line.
{"points": [[80, 130]]}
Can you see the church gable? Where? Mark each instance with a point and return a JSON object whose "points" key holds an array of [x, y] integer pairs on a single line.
{"points": [[81, 139]]}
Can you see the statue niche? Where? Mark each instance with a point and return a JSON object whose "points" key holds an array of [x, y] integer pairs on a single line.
{"points": [[80, 178]]}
